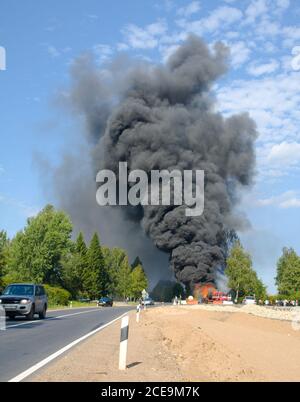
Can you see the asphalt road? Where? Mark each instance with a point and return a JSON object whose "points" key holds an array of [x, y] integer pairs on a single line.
{"points": [[26, 343]]}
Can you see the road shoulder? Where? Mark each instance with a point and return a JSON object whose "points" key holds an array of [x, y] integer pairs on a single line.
{"points": [[181, 344]]}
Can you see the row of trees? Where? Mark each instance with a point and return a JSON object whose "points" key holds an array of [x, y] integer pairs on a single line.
{"points": [[243, 279], [44, 253]]}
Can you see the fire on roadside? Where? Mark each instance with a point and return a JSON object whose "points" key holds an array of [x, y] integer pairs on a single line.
{"points": [[208, 293]]}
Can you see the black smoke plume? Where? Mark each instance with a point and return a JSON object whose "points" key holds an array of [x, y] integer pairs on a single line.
{"points": [[163, 117]]}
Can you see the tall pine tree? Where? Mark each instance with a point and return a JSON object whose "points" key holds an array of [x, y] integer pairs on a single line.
{"points": [[74, 266], [96, 280], [123, 288], [81, 252]]}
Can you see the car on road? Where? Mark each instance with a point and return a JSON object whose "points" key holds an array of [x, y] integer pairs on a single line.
{"points": [[148, 302], [25, 299], [249, 300], [105, 302]]}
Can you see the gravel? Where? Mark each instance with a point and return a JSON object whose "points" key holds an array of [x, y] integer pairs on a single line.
{"points": [[274, 313]]}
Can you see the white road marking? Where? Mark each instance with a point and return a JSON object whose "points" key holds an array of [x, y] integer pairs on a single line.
{"points": [[48, 319], [48, 359]]}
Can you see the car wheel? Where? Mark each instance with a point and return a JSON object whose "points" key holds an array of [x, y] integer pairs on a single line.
{"points": [[42, 315], [30, 315]]}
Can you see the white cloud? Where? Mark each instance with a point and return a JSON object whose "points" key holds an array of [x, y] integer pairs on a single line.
{"points": [[2, 170], [232, 35], [291, 203], [282, 5], [122, 46], [220, 18], [190, 9], [53, 51], [267, 27], [288, 199], [144, 38], [261, 69], [256, 9], [102, 52], [291, 35], [165, 5], [93, 16], [274, 103], [239, 53], [287, 153], [167, 51], [25, 209]]}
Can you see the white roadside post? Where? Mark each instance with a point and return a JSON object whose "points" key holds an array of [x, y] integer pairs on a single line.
{"points": [[123, 342], [2, 319], [145, 295], [138, 310]]}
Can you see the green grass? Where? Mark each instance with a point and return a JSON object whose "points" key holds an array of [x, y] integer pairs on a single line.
{"points": [[75, 304], [78, 304]]}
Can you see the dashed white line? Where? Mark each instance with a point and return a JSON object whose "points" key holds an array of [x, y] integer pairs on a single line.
{"points": [[48, 319]]}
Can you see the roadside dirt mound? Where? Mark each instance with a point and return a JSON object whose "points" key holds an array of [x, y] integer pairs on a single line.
{"points": [[182, 344]]}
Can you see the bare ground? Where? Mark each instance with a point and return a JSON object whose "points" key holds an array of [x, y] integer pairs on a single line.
{"points": [[185, 344]]}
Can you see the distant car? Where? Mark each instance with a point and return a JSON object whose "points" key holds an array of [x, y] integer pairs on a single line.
{"points": [[24, 299], [148, 302], [227, 303], [249, 300], [84, 300], [105, 302]]}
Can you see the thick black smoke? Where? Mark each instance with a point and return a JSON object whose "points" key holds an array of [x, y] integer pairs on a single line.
{"points": [[162, 117]]}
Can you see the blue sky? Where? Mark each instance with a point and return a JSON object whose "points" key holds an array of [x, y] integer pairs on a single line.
{"points": [[42, 38]]}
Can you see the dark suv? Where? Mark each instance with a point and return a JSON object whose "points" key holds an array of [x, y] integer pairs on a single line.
{"points": [[105, 302], [24, 299]]}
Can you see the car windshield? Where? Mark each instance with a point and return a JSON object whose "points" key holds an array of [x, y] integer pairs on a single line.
{"points": [[16, 290]]}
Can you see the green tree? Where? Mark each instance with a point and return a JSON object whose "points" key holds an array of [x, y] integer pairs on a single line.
{"points": [[138, 281], [113, 259], [123, 279], [4, 244], [36, 252], [288, 273], [95, 278], [260, 289], [241, 276], [74, 266]]}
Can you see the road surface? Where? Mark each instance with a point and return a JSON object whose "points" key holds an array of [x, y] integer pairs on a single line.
{"points": [[26, 343]]}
